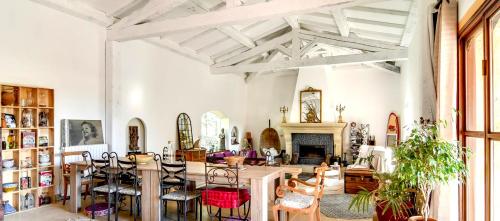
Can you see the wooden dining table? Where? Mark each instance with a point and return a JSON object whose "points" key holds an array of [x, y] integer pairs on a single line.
{"points": [[262, 181]]}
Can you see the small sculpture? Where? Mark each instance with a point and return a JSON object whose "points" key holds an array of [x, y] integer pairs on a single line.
{"points": [[340, 109], [283, 110], [134, 138], [222, 139]]}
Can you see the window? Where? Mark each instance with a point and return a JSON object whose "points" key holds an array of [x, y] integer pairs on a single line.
{"points": [[212, 124], [479, 105]]}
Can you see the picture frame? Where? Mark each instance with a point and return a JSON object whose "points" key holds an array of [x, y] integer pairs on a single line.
{"points": [[310, 105], [10, 121], [28, 139], [43, 141], [81, 132]]}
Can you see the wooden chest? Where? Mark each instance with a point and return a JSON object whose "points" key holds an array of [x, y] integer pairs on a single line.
{"points": [[192, 155], [354, 179]]}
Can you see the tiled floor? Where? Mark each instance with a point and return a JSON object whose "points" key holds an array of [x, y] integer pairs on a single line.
{"points": [[58, 212]]}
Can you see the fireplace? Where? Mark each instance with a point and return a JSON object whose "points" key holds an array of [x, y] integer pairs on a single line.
{"points": [[312, 148]]}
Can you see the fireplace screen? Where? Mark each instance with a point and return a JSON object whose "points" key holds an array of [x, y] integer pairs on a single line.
{"points": [[312, 148]]}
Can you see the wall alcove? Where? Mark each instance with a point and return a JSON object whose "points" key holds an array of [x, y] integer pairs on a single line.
{"points": [[136, 136]]}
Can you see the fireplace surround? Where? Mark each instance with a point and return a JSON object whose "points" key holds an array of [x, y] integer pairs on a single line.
{"points": [[334, 129]]}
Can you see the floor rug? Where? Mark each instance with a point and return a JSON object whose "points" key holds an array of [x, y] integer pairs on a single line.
{"points": [[337, 206]]}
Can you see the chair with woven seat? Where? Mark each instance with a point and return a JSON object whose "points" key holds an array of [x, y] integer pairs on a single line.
{"points": [[223, 190], [174, 174], [299, 200], [100, 169], [129, 183], [85, 181]]}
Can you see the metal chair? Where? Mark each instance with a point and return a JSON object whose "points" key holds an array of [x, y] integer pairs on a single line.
{"points": [[223, 190], [101, 169], [174, 174], [129, 183]]}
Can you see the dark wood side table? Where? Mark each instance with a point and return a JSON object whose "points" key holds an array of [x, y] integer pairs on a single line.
{"points": [[354, 179]]}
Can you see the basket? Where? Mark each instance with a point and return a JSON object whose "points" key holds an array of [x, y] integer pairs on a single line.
{"points": [[233, 160]]}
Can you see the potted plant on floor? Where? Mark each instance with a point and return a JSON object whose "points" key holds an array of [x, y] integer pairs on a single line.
{"points": [[391, 198], [425, 160]]}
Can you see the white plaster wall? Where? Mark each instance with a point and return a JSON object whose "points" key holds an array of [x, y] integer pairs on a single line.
{"points": [[42, 47], [266, 94], [369, 95], [417, 83], [155, 85]]}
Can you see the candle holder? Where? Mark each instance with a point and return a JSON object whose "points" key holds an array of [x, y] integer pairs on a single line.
{"points": [[340, 109], [283, 110]]}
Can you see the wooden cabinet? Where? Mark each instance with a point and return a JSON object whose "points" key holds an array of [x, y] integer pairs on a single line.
{"points": [[354, 179], [192, 155], [27, 131]]}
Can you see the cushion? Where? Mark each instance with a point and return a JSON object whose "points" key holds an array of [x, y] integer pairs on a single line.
{"points": [[251, 154], [130, 191], [180, 195], [296, 200], [218, 155], [228, 153], [224, 197], [104, 188]]}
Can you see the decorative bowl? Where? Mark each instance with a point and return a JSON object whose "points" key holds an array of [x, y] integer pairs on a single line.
{"points": [[233, 160], [8, 163], [143, 159], [9, 187]]}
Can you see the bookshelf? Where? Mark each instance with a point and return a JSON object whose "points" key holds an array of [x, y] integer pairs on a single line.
{"points": [[27, 134]]}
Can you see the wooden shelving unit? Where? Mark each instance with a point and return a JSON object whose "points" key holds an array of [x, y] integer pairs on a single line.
{"points": [[21, 102]]}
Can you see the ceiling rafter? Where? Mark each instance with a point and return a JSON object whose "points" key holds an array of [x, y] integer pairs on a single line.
{"points": [[378, 10], [411, 23], [78, 9], [386, 67], [123, 8], [388, 55], [378, 23], [293, 21], [341, 21], [229, 16], [152, 9]]}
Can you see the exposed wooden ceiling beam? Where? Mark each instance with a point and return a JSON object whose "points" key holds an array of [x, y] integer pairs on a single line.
{"points": [[388, 55], [341, 21], [265, 47], [173, 46], [293, 21], [351, 42], [237, 36], [378, 10], [78, 9], [378, 23], [153, 8], [411, 23], [242, 14]]}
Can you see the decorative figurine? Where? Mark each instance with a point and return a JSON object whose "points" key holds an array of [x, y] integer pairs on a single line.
{"points": [[283, 110], [43, 119], [222, 138], [340, 109]]}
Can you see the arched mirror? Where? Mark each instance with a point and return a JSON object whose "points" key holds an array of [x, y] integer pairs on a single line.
{"points": [[184, 132], [136, 136]]}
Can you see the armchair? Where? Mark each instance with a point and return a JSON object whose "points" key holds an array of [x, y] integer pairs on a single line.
{"points": [[299, 200]]}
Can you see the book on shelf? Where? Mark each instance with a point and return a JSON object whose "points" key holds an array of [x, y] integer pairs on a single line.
{"points": [[45, 178], [28, 139]]}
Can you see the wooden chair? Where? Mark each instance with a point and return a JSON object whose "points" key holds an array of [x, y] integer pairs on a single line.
{"points": [[66, 174], [298, 200]]}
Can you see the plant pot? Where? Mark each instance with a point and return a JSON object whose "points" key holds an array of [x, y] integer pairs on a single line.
{"points": [[420, 218], [389, 215]]}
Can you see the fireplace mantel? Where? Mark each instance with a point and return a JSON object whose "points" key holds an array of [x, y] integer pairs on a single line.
{"points": [[337, 129]]}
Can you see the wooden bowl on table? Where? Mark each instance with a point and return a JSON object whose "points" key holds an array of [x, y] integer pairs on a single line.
{"points": [[233, 160], [143, 158]]}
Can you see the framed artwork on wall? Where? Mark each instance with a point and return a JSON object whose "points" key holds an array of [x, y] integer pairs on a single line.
{"points": [[310, 105], [81, 132]]}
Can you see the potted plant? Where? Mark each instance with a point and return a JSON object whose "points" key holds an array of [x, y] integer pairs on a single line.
{"points": [[391, 198], [423, 161]]}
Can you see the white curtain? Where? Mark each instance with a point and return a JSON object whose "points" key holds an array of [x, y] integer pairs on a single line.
{"points": [[444, 204]]}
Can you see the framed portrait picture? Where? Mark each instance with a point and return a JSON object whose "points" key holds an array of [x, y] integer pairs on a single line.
{"points": [[81, 132], [310, 106]]}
